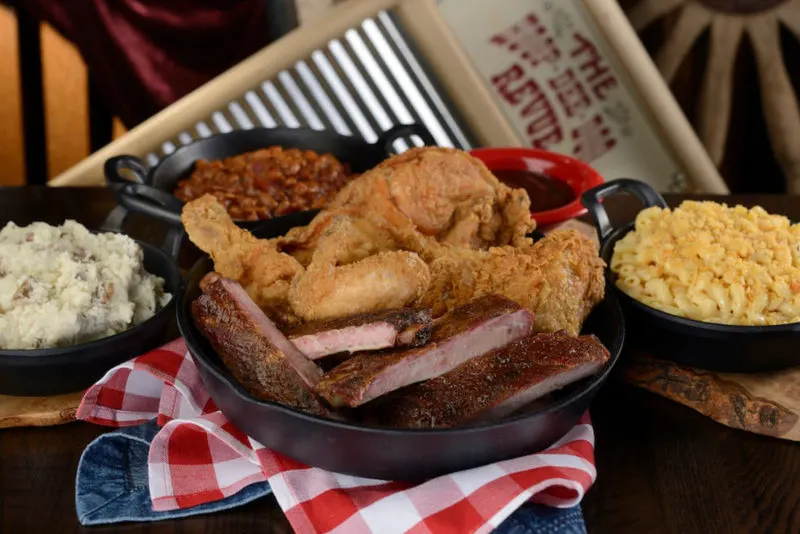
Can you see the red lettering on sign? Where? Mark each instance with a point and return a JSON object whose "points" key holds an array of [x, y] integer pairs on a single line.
{"points": [[503, 82], [529, 88], [543, 127], [545, 131], [593, 68], [570, 93], [592, 139], [532, 104], [530, 39]]}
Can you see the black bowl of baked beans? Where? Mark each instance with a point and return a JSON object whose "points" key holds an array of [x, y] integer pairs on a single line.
{"points": [[257, 174]]}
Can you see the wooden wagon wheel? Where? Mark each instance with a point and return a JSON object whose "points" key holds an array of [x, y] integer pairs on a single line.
{"points": [[729, 21]]}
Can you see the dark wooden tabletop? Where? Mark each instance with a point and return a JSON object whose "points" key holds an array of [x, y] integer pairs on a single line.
{"points": [[662, 468]]}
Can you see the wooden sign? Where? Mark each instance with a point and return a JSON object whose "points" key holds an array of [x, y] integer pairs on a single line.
{"points": [[562, 87]]}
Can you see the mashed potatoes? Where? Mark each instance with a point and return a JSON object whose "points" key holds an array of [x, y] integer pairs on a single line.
{"points": [[64, 285]]}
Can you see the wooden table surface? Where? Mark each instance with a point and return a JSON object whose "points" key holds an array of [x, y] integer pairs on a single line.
{"points": [[662, 468]]}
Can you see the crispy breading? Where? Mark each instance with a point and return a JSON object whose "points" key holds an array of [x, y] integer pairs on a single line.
{"points": [[347, 273], [346, 236], [430, 225], [559, 278], [444, 193], [382, 281], [255, 263]]}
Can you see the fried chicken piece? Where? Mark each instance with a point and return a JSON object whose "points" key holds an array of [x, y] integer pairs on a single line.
{"points": [[346, 236], [353, 268], [345, 274], [415, 202], [379, 282], [263, 271], [368, 250], [442, 193], [559, 278]]}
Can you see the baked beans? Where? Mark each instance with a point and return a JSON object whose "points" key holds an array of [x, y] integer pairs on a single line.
{"points": [[267, 183]]}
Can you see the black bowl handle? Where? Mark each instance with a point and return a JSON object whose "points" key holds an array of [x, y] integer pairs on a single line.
{"points": [[593, 198], [114, 168], [172, 243], [138, 194], [152, 202], [115, 222], [387, 138]]}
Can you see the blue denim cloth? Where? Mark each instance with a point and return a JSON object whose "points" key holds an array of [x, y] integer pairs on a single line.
{"points": [[537, 519], [111, 487]]}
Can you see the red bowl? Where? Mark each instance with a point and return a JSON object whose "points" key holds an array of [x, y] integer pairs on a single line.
{"points": [[577, 174]]}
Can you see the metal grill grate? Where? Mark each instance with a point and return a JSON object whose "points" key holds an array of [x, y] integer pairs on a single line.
{"points": [[362, 84]]}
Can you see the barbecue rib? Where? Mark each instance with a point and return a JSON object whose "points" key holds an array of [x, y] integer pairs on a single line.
{"points": [[258, 355], [493, 385], [363, 332], [482, 325]]}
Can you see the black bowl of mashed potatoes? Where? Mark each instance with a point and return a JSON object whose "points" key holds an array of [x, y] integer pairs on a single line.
{"points": [[74, 303]]}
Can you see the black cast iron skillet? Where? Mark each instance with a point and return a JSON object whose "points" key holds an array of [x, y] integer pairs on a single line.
{"points": [[150, 192], [68, 369], [383, 453], [716, 347]]}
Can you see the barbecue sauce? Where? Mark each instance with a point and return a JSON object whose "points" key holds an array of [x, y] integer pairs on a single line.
{"points": [[545, 192]]}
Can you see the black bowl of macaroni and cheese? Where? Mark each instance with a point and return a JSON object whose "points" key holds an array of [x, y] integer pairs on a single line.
{"points": [[704, 284], [74, 303]]}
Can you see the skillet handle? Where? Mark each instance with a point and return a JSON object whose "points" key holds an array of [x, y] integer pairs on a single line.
{"points": [[115, 222], [593, 198], [387, 138]]}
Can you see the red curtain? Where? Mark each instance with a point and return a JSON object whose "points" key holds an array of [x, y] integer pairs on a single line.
{"points": [[145, 54]]}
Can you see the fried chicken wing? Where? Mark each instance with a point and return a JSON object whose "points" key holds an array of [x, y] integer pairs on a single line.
{"points": [[559, 278], [379, 282], [347, 236], [354, 267], [255, 263]]}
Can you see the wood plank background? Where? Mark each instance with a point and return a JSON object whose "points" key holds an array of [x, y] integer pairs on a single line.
{"points": [[65, 103], [11, 159]]}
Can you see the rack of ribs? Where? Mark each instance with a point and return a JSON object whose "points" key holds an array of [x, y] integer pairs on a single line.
{"points": [[468, 331], [494, 385], [258, 355]]}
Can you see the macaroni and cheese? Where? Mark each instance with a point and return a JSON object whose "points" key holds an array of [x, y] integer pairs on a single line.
{"points": [[710, 262]]}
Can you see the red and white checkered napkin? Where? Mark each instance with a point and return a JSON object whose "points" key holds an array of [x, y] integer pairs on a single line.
{"points": [[198, 456]]}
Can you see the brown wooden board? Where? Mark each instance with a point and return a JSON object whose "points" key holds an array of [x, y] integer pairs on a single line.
{"points": [[38, 411], [767, 403]]}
